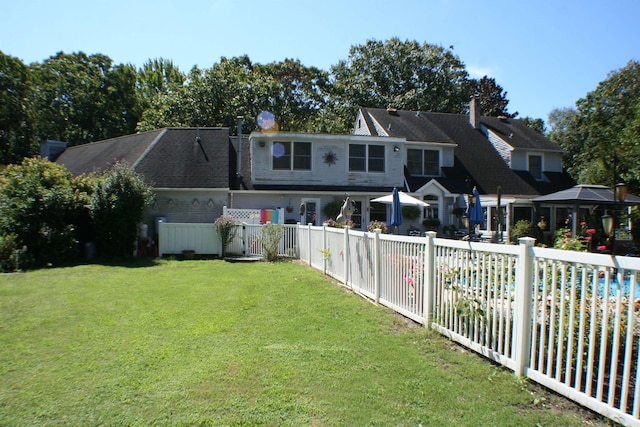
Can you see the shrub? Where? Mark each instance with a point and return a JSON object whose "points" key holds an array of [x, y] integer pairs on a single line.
{"points": [[332, 209], [226, 228], [8, 261], [271, 236], [564, 240], [117, 204], [522, 228], [378, 225], [335, 224], [41, 205], [431, 223], [411, 213]]}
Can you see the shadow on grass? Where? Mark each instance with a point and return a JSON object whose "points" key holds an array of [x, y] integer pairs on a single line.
{"points": [[127, 262]]}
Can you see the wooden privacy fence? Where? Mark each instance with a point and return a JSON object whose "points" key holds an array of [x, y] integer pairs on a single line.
{"points": [[567, 320]]}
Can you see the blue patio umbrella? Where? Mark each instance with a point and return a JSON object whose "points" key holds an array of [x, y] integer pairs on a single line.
{"points": [[474, 210], [396, 209]]}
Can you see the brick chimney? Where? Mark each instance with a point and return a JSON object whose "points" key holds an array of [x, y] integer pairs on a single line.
{"points": [[474, 112]]}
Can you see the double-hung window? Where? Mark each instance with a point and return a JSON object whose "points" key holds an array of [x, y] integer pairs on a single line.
{"points": [[422, 162], [289, 155], [366, 158], [535, 166]]}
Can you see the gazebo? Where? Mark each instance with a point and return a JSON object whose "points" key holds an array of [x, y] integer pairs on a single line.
{"points": [[587, 195]]}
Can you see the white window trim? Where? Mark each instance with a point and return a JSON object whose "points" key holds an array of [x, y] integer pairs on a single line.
{"points": [[366, 158], [291, 168], [423, 149], [529, 155]]}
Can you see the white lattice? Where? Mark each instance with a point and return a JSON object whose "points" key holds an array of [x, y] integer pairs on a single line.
{"points": [[250, 216]]}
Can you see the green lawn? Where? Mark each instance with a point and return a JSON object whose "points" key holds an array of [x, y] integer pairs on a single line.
{"points": [[214, 343]]}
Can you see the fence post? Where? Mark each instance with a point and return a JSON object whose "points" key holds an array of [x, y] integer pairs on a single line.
{"points": [[245, 244], [324, 249], [345, 253], [376, 264], [429, 276], [523, 306], [309, 242]]}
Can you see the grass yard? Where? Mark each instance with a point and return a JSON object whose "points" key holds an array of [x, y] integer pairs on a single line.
{"points": [[220, 344]]}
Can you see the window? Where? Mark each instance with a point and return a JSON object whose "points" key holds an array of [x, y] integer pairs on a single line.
{"points": [[302, 156], [423, 162], [366, 158], [378, 212], [535, 166], [356, 216], [431, 211], [282, 155]]}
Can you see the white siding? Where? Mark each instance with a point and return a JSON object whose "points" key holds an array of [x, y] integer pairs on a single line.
{"points": [[187, 206], [323, 173], [503, 149]]}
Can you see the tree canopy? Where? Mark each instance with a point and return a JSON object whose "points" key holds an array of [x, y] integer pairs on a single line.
{"points": [[79, 98], [403, 74], [603, 131]]}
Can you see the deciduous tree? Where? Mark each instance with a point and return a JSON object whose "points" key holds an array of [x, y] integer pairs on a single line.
{"points": [[401, 74], [16, 139]]}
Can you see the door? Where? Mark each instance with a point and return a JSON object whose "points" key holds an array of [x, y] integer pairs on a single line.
{"points": [[309, 212]]}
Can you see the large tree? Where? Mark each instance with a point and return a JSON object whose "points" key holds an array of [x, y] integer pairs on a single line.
{"points": [[493, 98], [158, 77], [293, 93], [402, 74], [16, 139], [79, 98], [603, 133]]}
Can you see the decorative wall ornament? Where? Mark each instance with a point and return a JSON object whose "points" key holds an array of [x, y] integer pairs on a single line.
{"points": [[330, 158]]}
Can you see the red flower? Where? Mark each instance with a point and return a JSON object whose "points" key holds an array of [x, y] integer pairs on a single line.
{"points": [[602, 247], [591, 231], [568, 234], [588, 238], [584, 224]]}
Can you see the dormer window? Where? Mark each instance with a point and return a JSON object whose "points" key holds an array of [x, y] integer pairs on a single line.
{"points": [[535, 166], [423, 162]]}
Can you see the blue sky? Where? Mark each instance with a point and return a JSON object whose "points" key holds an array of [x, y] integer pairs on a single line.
{"points": [[545, 53]]}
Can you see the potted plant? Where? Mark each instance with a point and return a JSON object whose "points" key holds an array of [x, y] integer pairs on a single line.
{"points": [[431, 224], [411, 213], [377, 225]]}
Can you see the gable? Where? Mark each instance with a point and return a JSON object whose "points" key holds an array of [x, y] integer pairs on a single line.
{"points": [[475, 154]]}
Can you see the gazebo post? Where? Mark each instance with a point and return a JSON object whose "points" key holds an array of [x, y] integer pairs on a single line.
{"points": [[574, 220]]}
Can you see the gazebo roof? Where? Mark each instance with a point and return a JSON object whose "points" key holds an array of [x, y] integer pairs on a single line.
{"points": [[586, 194]]}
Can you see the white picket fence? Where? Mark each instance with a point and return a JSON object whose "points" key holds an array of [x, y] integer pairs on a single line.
{"points": [[567, 320]]}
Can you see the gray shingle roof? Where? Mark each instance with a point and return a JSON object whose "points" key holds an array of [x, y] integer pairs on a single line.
{"points": [[167, 158], [475, 157]]}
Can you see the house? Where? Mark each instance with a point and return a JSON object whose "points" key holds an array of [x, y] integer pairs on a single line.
{"points": [[305, 172], [446, 155], [436, 157], [188, 168]]}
